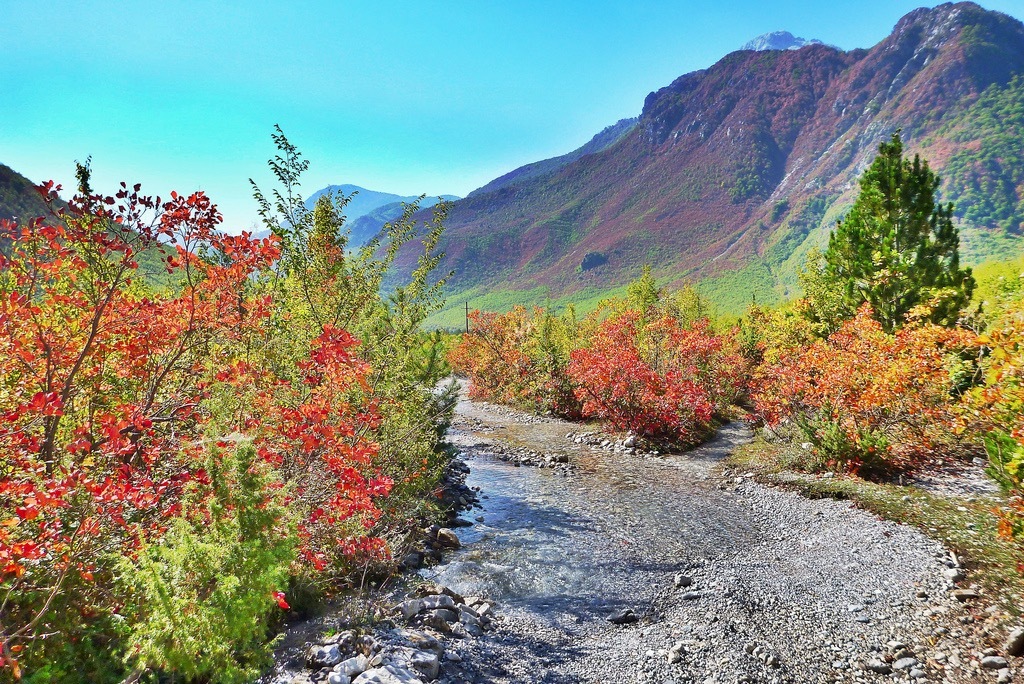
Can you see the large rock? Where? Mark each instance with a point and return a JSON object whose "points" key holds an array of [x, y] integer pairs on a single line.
{"points": [[448, 538], [388, 674], [417, 639], [409, 608], [424, 663], [1015, 642], [993, 662], [438, 601], [326, 655], [623, 617], [352, 666]]}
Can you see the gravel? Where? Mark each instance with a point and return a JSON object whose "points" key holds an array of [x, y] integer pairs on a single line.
{"points": [[770, 576]]}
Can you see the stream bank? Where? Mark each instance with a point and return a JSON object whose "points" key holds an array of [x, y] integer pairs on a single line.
{"points": [[606, 566]]}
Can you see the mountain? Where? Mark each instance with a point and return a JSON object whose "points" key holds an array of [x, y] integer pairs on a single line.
{"points": [[368, 210], [366, 227], [603, 140], [18, 196], [778, 40], [733, 172]]}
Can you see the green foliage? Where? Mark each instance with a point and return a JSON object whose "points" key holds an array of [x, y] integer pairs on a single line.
{"points": [[643, 293], [203, 594], [987, 171], [824, 304], [323, 283], [897, 249]]}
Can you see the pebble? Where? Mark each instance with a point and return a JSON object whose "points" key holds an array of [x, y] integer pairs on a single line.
{"points": [[993, 662]]}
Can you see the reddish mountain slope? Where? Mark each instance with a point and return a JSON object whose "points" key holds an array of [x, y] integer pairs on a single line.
{"points": [[750, 161]]}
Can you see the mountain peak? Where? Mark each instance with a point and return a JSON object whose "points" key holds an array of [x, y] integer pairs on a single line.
{"points": [[778, 40]]}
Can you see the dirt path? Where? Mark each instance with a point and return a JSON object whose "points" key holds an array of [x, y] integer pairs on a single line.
{"points": [[779, 588]]}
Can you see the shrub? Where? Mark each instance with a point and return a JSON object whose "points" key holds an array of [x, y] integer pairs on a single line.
{"points": [[662, 381], [868, 400]]}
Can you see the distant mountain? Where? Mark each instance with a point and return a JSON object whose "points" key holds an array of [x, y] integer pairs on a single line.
{"points": [[733, 172], [778, 40], [368, 226], [368, 210], [603, 140]]}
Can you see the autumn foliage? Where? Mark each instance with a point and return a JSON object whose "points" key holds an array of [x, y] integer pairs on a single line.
{"points": [[661, 380], [639, 368], [866, 399], [186, 449]]}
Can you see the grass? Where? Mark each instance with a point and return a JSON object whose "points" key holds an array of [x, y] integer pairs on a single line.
{"points": [[967, 527]]}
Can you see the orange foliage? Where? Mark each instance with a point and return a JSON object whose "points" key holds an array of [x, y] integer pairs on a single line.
{"points": [[865, 398]]}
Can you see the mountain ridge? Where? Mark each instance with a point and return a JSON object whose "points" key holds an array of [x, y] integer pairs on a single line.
{"points": [[733, 172]]}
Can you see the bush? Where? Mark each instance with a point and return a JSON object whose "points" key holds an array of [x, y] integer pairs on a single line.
{"points": [[867, 400], [202, 595], [175, 456], [661, 380], [520, 358]]}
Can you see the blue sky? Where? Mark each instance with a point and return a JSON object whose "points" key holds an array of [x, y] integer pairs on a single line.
{"points": [[406, 97]]}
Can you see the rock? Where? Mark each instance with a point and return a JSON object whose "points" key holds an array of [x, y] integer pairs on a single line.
{"points": [[448, 538], [625, 616], [431, 589], [630, 441], [681, 580], [353, 666], [446, 614], [459, 630], [904, 663], [965, 595], [425, 663], [323, 656], [438, 601], [690, 596], [467, 619], [409, 608], [436, 622], [1015, 643], [417, 639], [953, 574], [484, 609], [1004, 676], [336, 678], [917, 673], [389, 674], [879, 666], [993, 662]]}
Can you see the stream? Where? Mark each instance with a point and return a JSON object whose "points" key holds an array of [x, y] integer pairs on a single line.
{"points": [[728, 581]]}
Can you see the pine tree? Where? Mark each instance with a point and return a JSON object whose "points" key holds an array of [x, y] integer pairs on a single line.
{"points": [[897, 248]]}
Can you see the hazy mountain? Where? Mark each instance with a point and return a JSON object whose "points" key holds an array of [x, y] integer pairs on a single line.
{"points": [[368, 210]]}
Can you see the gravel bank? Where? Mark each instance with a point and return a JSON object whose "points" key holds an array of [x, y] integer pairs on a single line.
{"points": [[725, 580]]}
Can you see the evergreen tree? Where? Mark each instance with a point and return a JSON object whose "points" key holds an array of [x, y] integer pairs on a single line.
{"points": [[897, 248]]}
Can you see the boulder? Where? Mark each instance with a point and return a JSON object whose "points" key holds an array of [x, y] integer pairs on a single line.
{"points": [[1015, 642], [388, 674], [425, 663], [448, 538]]}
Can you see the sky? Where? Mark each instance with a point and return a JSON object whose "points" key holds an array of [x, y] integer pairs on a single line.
{"points": [[404, 97]]}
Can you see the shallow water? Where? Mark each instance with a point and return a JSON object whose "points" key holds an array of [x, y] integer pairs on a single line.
{"points": [[563, 546]]}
